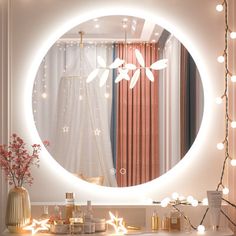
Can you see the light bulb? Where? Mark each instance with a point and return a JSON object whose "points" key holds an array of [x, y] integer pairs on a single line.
{"points": [[44, 95], [233, 78], [233, 162], [201, 229], [97, 26], [80, 97], [221, 59], [219, 100], [165, 202], [190, 199], [219, 7], [194, 203], [220, 146], [205, 202], [175, 196], [225, 191], [233, 35], [233, 124]]}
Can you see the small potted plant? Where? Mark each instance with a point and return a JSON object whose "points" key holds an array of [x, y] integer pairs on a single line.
{"points": [[16, 162]]}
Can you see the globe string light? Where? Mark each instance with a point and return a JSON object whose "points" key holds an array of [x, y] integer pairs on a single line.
{"points": [[229, 34]]}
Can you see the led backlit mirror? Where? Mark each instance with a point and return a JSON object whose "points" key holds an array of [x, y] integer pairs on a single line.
{"points": [[113, 135]]}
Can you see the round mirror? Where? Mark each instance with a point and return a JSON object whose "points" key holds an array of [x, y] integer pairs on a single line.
{"points": [[119, 100]]}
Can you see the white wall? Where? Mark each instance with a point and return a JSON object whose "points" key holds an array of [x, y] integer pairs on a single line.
{"points": [[35, 25]]}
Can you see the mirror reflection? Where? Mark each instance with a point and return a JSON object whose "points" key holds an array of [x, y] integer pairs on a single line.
{"points": [[104, 132]]}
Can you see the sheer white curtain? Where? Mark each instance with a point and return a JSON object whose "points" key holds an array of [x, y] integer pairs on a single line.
{"points": [[73, 115], [169, 103]]}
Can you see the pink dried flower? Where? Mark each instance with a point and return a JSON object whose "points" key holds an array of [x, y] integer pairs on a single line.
{"points": [[16, 161]]}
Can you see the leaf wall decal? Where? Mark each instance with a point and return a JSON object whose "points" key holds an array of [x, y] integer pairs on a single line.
{"points": [[101, 62], [139, 57], [118, 62], [149, 74], [92, 75], [135, 78], [159, 65]]}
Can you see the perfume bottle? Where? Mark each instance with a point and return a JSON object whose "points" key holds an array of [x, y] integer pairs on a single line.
{"points": [[174, 220], [155, 221], [165, 223], [69, 206]]}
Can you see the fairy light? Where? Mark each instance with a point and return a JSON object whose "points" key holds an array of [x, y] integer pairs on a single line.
{"points": [[175, 195], [190, 199], [106, 95], [233, 35], [221, 59], [201, 229], [223, 145], [225, 191], [233, 162], [220, 146], [194, 203], [44, 95], [233, 78], [228, 121], [219, 7]]}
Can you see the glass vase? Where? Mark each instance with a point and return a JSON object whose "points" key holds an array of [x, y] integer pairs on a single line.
{"points": [[18, 212]]}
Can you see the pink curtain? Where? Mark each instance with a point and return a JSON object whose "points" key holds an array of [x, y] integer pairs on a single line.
{"points": [[137, 158]]}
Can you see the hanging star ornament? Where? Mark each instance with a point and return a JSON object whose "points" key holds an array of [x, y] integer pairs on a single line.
{"points": [[117, 223], [37, 226], [97, 132]]}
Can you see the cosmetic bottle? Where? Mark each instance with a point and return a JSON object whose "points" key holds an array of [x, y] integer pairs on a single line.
{"points": [[165, 223], [57, 214], [69, 207], [155, 221], [89, 225], [174, 220], [45, 214], [77, 215], [88, 214]]}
